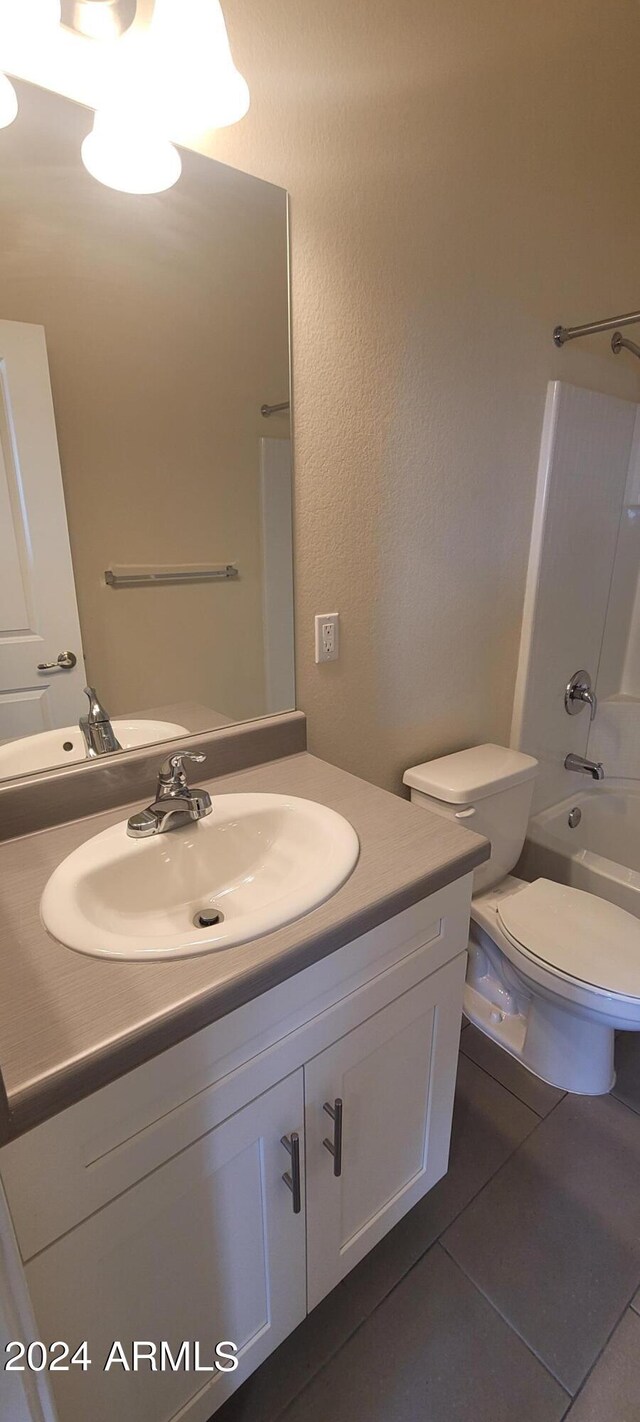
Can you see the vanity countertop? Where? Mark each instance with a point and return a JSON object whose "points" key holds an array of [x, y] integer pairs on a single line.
{"points": [[70, 1023]]}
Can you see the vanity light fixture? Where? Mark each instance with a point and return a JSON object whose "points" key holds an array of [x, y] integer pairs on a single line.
{"points": [[15, 22], [18, 17], [197, 83], [176, 82], [127, 154], [8, 102], [26, 19], [99, 19]]}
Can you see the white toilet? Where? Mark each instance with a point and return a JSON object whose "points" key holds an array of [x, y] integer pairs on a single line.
{"points": [[552, 971]]}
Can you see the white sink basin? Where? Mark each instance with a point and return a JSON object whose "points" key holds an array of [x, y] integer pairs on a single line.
{"points": [[258, 860], [52, 748]]}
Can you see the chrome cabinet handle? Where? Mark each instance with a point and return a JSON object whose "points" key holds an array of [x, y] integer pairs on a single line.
{"points": [[65, 661], [292, 1180], [335, 1147]]}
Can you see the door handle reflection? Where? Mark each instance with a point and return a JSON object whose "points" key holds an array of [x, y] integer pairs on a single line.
{"points": [[65, 661]]}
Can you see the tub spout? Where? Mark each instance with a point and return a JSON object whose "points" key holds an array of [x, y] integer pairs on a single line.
{"points": [[594, 768]]}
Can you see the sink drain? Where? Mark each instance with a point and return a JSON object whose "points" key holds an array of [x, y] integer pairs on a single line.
{"points": [[208, 918]]}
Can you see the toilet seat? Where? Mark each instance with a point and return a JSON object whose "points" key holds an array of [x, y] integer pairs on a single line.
{"points": [[578, 935]]}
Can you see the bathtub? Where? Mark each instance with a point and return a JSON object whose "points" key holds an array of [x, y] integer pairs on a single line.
{"points": [[600, 854]]}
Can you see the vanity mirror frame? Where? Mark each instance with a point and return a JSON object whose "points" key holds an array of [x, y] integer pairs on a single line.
{"points": [[62, 791]]}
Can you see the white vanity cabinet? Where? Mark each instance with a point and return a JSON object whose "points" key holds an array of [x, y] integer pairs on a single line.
{"points": [[156, 1209], [396, 1117], [206, 1249]]}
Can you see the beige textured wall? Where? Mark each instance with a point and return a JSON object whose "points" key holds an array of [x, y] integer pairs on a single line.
{"points": [[463, 176]]}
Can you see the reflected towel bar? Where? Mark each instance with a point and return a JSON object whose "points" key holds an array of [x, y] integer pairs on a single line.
{"points": [[266, 410], [569, 333], [148, 577]]}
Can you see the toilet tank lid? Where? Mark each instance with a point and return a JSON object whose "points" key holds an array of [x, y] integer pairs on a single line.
{"points": [[471, 774]]}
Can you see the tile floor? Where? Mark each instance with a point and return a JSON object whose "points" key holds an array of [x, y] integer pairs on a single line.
{"points": [[510, 1294]]}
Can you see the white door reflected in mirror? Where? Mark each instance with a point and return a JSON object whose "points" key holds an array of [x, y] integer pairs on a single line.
{"points": [[38, 604]]}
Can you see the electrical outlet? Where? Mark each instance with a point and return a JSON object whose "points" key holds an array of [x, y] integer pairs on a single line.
{"points": [[327, 636]]}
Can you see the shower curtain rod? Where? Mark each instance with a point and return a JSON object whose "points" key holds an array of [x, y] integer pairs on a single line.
{"points": [[569, 333]]}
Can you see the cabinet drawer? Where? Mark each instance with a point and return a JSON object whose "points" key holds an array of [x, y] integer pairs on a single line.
{"points": [[74, 1164]]}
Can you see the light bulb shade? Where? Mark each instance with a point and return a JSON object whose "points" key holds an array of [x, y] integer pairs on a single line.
{"points": [[8, 102], [122, 153], [99, 19], [194, 81], [45, 12], [27, 30]]}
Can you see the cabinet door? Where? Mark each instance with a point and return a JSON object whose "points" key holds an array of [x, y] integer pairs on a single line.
{"points": [[395, 1076], [205, 1249]]}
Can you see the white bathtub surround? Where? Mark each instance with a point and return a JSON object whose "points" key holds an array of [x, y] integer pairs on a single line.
{"points": [[552, 971], [276, 503], [582, 604], [601, 853], [614, 737], [585, 460], [619, 668]]}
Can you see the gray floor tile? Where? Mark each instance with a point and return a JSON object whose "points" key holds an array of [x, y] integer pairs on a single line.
{"points": [[635, 1302], [488, 1055], [488, 1124], [434, 1350], [612, 1392], [627, 1087], [554, 1239], [265, 1395]]}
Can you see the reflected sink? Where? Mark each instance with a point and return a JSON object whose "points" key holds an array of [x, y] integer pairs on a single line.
{"points": [[258, 861], [48, 749]]}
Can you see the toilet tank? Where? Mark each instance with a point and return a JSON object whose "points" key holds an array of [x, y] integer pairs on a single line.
{"points": [[487, 788]]}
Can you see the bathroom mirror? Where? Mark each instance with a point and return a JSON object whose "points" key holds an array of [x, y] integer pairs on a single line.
{"points": [[145, 497]]}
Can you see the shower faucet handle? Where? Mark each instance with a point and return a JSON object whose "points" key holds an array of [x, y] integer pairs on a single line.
{"points": [[578, 693]]}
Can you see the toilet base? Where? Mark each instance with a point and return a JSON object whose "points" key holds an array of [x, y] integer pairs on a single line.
{"points": [[558, 1046]]}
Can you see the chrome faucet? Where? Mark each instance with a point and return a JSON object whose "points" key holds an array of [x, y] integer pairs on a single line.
{"points": [[578, 693], [175, 805], [99, 735], [594, 768]]}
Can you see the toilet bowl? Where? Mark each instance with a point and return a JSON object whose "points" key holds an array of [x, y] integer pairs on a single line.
{"points": [[553, 971]]}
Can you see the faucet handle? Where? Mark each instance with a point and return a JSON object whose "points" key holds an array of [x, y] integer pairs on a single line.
{"points": [[96, 712], [578, 693], [172, 773]]}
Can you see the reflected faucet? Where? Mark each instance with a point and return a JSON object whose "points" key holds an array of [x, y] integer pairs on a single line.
{"points": [[99, 735], [594, 768]]}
